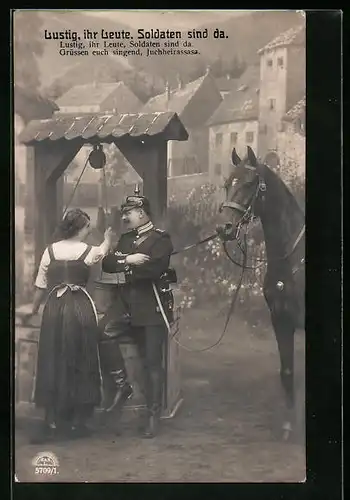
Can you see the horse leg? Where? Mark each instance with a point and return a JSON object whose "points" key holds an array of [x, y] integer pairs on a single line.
{"points": [[284, 332]]}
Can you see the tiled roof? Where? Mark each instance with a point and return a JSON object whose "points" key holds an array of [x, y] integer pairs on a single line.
{"points": [[90, 94], [225, 84], [106, 127], [31, 105], [243, 102], [178, 98], [297, 111], [295, 36]]}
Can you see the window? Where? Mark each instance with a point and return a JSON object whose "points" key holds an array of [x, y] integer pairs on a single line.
{"points": [[272, 104], [280, 62], [218, 140], [233, 138], [249, 137], [217, 169], [188, 165], [269, 63]]}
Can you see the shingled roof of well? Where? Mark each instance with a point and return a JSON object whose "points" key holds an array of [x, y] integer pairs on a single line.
{"points": [[105, 127]]}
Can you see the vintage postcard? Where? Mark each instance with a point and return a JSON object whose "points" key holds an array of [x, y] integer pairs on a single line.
{"points": [[159, 246]]}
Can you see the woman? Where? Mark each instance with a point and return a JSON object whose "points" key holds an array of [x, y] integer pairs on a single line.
{"points": [[68, 381]]}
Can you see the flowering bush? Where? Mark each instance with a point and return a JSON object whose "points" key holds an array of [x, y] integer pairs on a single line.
{"points": [[206, 275]]}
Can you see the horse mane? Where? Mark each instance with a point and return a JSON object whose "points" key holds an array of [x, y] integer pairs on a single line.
{"points": [[275, 178]]}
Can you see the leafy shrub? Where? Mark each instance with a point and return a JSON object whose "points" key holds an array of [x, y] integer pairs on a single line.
{"points": [[206, 275]]}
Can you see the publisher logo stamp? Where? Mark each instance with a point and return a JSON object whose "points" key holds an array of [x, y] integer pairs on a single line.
{"points": [[45, 464]]}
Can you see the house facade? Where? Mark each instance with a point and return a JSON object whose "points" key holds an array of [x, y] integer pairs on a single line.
{"points": [[234, 125], [291, 143], [194, 103], [282, 84], [258, 111]]}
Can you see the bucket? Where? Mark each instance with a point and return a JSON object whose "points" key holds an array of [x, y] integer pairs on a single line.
{"points": [[104, 292]]}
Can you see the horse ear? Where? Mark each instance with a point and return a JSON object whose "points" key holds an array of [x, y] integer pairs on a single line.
{"points": [[235, 158], [251, 157]]}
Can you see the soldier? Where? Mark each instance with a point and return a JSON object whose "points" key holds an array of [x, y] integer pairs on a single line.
{"points": [[143, 307]]}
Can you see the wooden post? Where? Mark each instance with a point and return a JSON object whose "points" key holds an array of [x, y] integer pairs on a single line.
{"points": [[29, 227], [149, 159], [155, 178], [46, 162]]}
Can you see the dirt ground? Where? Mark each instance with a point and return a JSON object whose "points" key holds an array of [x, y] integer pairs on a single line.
{"points": [[227, 430]]}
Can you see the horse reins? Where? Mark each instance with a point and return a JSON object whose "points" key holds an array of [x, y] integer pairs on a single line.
{"points": [[247, 216]]}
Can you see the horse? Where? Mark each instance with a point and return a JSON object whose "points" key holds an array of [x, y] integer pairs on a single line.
{"points": [[254, 190]]}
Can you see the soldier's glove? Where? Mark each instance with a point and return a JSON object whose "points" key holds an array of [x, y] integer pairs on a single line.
{"points": [[225, 231]]}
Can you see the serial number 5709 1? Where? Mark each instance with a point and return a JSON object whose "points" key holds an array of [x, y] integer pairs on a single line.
{"points": [[46, 470]]}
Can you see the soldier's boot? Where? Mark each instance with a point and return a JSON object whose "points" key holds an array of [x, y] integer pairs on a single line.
{"points": [[123, 392], [152, 423], [153, 407]]}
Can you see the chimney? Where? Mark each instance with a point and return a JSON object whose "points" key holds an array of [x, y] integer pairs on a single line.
{"points": [[180, 84], [167, 90]]}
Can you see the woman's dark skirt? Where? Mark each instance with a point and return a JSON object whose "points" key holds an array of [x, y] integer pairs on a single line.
{"points": [[68, 371]]}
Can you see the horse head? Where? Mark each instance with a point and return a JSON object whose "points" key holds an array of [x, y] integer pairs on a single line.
{"points": [[244, 193]]}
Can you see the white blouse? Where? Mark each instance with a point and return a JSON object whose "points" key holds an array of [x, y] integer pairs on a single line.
{"points": [[69, 250]]}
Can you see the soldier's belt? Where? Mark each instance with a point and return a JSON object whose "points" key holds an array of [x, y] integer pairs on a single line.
{"points": [[120, 278], [114, 278]]}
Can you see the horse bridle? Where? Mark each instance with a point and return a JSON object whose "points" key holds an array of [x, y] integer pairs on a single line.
{"points": [[248, 215], [247, 212]]}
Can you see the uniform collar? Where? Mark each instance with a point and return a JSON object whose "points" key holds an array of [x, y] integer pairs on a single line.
{"points": [[144, 228]]}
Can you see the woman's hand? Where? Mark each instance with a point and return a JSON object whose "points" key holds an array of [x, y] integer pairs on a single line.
{"points": [[137, 259], [108, 234]]}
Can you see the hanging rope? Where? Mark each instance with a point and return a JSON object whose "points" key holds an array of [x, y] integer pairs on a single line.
{"points": [[105, 190], [75, 187]]}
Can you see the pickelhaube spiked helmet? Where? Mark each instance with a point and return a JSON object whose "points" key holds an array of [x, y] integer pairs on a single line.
{"points": [[135, 201]]}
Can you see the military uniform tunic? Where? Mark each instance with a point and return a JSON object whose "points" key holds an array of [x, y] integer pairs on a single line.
{"points": [[136, 296]]}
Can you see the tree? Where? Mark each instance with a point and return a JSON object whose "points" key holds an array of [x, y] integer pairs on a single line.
{"points": [[28, 48], [56, 90], [197, 69], [217, 67]]}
